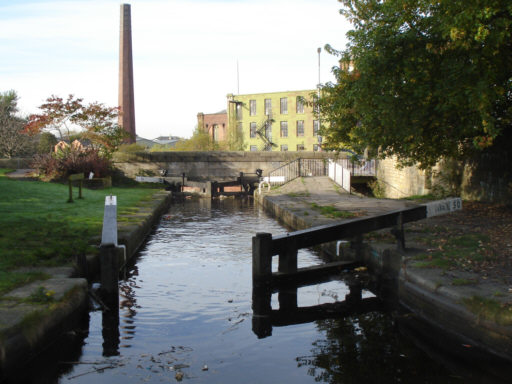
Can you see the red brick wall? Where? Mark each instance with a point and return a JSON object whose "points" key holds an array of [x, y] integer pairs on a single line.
{"points": [[207, 121]]}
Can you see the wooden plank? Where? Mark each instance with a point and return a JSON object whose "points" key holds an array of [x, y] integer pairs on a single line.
{"points": [[76, 176], [331, 232], [310, 275], [281, 318]]}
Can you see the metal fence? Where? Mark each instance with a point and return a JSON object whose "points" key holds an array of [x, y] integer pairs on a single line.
{"points": [[359, 167], [318, 167], [297, 168]]}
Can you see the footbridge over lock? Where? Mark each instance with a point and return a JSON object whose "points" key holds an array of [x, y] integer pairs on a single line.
{"points": [[208, 166], [223, 170]]}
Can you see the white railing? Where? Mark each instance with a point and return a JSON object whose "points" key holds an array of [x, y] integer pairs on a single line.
{"points": [[339, 174]]}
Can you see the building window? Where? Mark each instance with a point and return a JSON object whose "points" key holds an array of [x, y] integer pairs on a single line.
{"points": [[215, 131], [284, 106], [253, 130], [300, 147], [316, 127], [316, 147], [239, 111], [300, 128], [300, 104], [254, 148], [252, 107], [284, 148], [268, 106], [284, 129]]}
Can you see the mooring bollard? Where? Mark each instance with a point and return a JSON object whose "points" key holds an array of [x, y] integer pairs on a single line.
{"points": [[261, 257]]}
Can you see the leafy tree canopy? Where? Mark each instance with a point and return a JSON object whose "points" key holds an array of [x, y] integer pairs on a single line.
{"points": [[97, 121], [200, 141], [12, 140], [422, 79]]}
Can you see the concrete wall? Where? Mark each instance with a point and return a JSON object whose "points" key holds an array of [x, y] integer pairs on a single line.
{"points": [[206, 165], [398, 183], [488, 177]]}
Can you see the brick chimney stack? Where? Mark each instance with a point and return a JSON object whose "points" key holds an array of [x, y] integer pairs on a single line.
{"points": [[126, 99]]}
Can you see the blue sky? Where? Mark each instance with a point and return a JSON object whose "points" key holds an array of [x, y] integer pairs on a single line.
{"points": [[185, 53]]}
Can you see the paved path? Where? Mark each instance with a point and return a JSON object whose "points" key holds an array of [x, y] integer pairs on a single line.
{"points": [[300, 195], [21, 174]]}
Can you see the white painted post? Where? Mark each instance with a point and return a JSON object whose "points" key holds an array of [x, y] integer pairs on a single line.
{"points": [[109, 232], [109, 261]]}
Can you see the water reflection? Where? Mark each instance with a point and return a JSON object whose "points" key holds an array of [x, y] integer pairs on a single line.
{"points": [[110, 331], [368, 348], [289, 313]]}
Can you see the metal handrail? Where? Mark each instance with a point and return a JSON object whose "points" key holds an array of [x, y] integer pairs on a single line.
{"points": [[297, 168]]}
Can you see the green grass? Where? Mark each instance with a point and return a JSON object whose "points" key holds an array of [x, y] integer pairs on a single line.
{"points": [[490, 309], [39, 228], [458, 282], [456, 251], [10, 280], [332, 212], [422, 198], [298, 194]]}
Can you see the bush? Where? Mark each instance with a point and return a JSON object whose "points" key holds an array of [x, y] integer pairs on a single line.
{"points": [[67, 161], [131, 148]]}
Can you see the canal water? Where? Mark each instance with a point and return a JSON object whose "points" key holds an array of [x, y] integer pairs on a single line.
{"points": [[185, 314]]}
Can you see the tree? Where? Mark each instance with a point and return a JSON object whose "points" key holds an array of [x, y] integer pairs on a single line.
{"points": [[200, 141], [422, 79], [47, 142], [97, 121], [12, 140]]}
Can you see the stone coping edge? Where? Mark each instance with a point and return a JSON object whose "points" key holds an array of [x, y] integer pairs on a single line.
{"points": [[22, 342]]}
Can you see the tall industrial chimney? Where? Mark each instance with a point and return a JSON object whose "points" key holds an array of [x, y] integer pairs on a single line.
{"points": [[126, 99]]}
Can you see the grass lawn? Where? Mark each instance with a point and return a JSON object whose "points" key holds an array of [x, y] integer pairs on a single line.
{"points": [[39, 228]]}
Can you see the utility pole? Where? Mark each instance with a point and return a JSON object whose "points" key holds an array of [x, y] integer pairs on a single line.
{"points": [[319, 138]]}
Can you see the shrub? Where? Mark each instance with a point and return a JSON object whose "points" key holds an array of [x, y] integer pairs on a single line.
{"points": [[69, 160]]}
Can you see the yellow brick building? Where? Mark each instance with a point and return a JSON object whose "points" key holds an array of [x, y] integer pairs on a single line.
{"points": [[278, 121]]}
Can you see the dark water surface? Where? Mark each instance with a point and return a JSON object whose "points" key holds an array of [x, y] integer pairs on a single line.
{"points": [[186, 307]]}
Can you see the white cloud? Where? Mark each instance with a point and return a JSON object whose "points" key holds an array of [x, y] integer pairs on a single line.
{"points": [[185, 52]]}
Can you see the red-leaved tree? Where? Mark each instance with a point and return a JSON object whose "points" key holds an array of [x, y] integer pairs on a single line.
{"points": [[96, 122], [98, 131]]}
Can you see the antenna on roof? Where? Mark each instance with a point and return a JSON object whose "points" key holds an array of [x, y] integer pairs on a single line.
{"points": [[237, 79]]}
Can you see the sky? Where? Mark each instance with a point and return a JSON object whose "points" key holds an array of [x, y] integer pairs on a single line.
{"points": [[185, 53]]}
